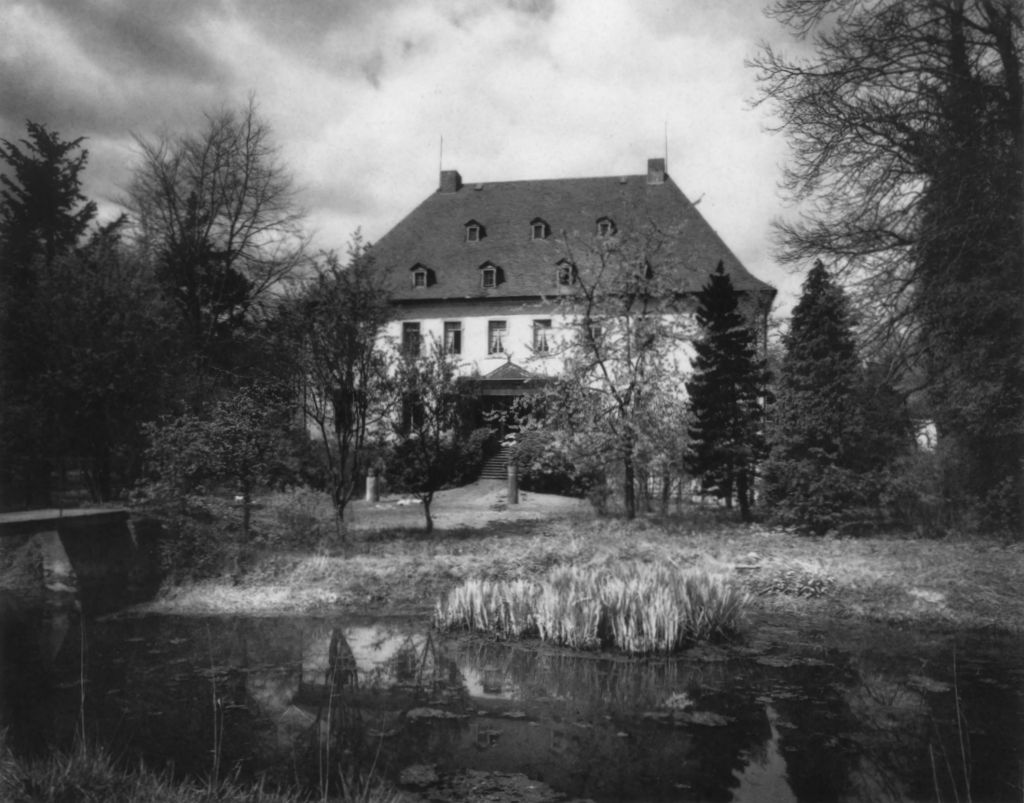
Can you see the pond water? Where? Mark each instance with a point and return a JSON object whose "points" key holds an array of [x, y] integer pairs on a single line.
{"points": [[843, 713]]}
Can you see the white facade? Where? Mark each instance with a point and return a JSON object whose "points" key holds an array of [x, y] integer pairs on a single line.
{"points": [[485, 343], [537, 342]]}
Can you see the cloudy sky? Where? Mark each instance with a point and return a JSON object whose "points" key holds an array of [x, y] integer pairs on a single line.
{"points": [[360, 92]]}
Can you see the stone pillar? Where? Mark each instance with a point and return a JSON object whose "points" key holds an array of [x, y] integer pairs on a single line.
{"points": [[372, 487], [58, 574], [513, 483]]}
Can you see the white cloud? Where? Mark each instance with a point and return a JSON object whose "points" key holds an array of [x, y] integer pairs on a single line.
{"points": [[360, 93]]}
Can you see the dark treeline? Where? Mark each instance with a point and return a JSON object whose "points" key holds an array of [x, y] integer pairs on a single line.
{"points": [[163, 312], [906, 125]]}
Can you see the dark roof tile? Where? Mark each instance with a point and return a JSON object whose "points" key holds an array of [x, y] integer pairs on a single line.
{"points": [[433, 235]]}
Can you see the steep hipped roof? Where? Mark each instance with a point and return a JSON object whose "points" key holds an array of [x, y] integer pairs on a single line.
{"points": [[434, 235]]}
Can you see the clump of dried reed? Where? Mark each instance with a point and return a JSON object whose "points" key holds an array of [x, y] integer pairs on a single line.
{"points": [[635, 607]]}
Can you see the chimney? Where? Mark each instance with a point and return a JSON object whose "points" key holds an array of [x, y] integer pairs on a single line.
{"points": [[655, 171], [451, 181]]}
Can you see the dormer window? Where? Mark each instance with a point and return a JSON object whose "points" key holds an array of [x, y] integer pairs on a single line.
{"points": [[565, 273], [490, 275], [605, 227], [422, 276], [539, 229], [474, 231]]}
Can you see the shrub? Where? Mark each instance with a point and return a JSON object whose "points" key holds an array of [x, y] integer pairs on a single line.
{"points": [[635, 607], [470, 455], [599, 495], [304, 518], [926, 492], [544, 467], [822, 498], [913, 495], [300, 462], [199, 538], [795, 583], [463, 459]]}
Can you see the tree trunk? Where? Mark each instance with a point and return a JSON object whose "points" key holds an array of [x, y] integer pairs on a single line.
{"points": [[743, 495], [340, 501], [340, 538], [429, 526], [246, 514], [629, 488], [666, 492]]}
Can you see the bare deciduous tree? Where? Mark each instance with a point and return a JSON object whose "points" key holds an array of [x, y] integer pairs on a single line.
{"points": [[627, 326], [906, 127], [216, 211], [342, 369]]}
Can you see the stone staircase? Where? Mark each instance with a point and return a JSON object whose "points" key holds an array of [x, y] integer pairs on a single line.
{"points": [[496, 468]]}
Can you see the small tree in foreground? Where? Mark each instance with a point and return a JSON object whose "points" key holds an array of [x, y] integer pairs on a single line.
{"points": [[429, 395], [834, 430], [726, 392], [342, 370], [622, 356], [239, 444]]}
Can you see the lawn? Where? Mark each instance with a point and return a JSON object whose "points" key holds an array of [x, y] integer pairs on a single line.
{"points": [[390, 567]]}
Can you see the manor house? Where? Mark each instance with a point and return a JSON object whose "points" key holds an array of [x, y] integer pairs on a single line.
{"points": [[485, 268]]}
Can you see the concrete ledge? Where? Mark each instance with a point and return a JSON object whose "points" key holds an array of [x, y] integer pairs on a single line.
{"points": [[29, 521]]}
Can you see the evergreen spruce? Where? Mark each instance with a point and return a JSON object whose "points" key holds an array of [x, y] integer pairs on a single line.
{"points": [[43, 212], [43, 216], [833, 429], [726, 392]]}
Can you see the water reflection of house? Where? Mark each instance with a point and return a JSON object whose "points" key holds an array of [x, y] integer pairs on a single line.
{"points": [[322, 681], [492, 680]]}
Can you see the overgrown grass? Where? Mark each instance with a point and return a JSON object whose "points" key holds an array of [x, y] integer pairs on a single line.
{"points": [[390, 566], [92, 775], [635, 607]]}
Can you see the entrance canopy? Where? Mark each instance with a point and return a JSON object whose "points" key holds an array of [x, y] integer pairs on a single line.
{"points": [[511, 380]]}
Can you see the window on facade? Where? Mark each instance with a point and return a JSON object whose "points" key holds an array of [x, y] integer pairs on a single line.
{"points": [[496, 333], [539, 229], [411, 339], [453, 337], [542, 335], [413, 413], [489, 277], [605, 227], [596, 331], [474, 232]]}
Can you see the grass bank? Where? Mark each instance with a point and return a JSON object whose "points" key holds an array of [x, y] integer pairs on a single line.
{"points": [[391, 568], [91, 774]]}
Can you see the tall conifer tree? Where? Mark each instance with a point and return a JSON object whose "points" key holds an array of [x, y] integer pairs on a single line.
{"points": [[726, 392], [829, 436], [43, 215]]}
